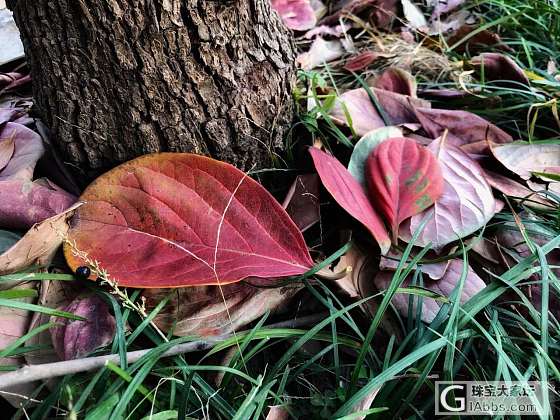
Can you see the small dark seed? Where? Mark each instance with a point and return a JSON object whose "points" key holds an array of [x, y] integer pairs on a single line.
{"points": [[83, 272]]}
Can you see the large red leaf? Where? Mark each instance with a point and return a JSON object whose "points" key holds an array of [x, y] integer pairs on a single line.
{"points": [[177, 219], [404, 178], [350, 195]]}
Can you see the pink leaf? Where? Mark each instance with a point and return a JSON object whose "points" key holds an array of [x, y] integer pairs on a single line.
{"points": [[350, 195], [296, 14], [28, 148], [24, 203], [404, 179]]}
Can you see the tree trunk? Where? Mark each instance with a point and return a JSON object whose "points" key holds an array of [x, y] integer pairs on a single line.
{"points": [[115, 79]]}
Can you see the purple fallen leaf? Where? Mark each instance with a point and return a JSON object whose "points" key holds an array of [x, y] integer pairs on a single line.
{"points": [[398, 81], [465, 130], [400, 109], [24, 203], [74, 339], [302, 201], [10, 114], [444, 286], [28, 149], [296, 14], [7, 148], [500, 67], [466, 205]]}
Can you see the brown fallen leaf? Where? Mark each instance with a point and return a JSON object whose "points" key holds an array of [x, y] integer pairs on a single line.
{"points": [[514, 189], [364, 59], [500, 68], [477, 42], [38, 245], [302, 201], [398, 81], [216, 310], [465, 130], [358, 265]]}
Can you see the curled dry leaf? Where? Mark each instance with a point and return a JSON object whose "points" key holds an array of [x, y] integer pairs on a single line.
{"points": [[178, 219], [321, 52], [74, 339], [24, 203], [466, 205], [364, 60], [398, 81], [524, 158], [444, 287], [302, 201], [465, 130], [350, 195], [413, 15], [364, 147], [296, 14], [358, 266], [38, 246], [216, 310], [28, 148], [500, 67], [465, 40], [403, 178], [515, 190]]}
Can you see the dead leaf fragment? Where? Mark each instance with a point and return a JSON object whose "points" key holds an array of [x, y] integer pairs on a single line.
{"points": [[38, 245], [217, 310]]}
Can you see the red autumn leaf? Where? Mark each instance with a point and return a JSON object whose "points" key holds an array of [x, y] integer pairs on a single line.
{"points": [[177, 219], [404, 179], [350, 195]]}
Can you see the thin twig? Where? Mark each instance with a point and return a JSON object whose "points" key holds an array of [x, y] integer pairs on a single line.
{"points": [[51, 370]]}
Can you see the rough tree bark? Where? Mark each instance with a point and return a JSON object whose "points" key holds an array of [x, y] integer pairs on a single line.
{"points": [[115, 79]]}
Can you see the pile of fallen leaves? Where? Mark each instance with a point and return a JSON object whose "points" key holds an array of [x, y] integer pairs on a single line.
{"points": [[423, 181]]}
